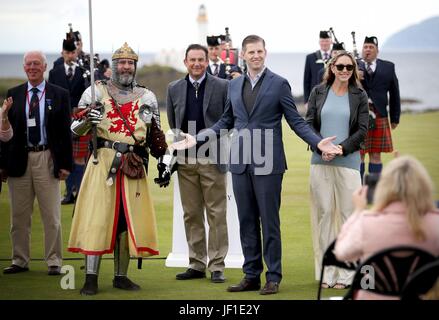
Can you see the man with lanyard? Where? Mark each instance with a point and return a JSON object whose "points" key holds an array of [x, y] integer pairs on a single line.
{"points": [[37, 157]]}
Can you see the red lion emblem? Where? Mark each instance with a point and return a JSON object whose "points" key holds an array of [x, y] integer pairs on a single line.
{"points": [[127, 110]]}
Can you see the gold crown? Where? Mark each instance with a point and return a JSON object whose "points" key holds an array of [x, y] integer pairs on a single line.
{"points": [[125, 52]]}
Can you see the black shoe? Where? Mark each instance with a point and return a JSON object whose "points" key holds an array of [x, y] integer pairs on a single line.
{"points": [[245, 285], [90, 287], [54, 271], [14, 269], [122, 282], [68, 200], [191, 274], [270, 287], [217, 277]]}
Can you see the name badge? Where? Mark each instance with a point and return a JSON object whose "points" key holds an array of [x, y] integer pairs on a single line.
{"points": [[31, 123]]}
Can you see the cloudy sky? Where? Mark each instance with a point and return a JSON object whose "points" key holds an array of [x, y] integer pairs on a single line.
{"points": [[153, 25]]}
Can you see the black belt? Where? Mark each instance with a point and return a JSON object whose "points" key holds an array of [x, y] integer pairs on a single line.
{"points": [[121, 148], [39, 148]]}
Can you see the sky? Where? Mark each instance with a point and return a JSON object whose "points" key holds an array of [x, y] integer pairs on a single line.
{"points": [[154, 25]]}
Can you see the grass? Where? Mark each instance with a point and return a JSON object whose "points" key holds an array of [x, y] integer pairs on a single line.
{"points": [[417, 135]]}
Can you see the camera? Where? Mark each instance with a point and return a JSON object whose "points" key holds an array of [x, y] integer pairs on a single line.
{"points": [[371, 180]]}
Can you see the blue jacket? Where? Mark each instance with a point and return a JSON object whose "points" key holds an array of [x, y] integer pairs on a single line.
{"points": [[311, 76], [274, 100]]}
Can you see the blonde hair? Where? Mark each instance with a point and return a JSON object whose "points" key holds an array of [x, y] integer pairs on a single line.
{"points": [[405, 179]]}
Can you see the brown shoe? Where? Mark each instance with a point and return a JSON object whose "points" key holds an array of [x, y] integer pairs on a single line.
{"points": [[245, 285], [14, 269], [270, 287]]}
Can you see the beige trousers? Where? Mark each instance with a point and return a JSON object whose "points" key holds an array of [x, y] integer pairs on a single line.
{"points": [[38, 181], [331, 205], [203, 187]]}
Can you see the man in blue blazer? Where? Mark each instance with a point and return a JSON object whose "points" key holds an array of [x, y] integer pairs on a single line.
{"points": [[314, 63], [381, 85], [254, 109]]}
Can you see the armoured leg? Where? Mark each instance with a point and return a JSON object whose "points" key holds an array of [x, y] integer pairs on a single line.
{"points": [[92, 264], [121, 262]]}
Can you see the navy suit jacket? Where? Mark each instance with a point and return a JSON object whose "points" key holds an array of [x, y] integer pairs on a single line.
{"points": [[76, 87], [311, 75], [274, 100], [383, 82], [13, 156]]}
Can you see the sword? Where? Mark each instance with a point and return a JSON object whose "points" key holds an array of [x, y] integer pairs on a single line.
{"points": [[94, 134]]}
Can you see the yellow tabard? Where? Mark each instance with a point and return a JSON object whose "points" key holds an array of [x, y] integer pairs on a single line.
{"points": [[94, 222]]}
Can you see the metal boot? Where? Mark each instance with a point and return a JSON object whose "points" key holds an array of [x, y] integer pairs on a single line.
{"points": [[121, 262], [92, 264]]}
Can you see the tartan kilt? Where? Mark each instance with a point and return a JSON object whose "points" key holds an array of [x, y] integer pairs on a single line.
{"points": [[379, 139], [80, 146]]}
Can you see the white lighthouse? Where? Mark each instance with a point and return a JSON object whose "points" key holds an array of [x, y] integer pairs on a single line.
{"points": [[202, 24]]}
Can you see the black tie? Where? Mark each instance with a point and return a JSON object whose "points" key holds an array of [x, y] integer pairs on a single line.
{"points": [[326, 56], [34, 113], [70, 73], [215, 71], [196, 86]]}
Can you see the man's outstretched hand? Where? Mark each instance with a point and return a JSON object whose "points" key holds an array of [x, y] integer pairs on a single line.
{"points": [[326, 146], [188, 142]]}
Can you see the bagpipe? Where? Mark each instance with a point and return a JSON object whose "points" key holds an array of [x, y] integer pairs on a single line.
{"points": [[230, 56], [83, 61]]}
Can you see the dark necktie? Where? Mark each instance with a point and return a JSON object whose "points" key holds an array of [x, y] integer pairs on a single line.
{"points": [[215, 70], [70, 73], [326, 56], [196, 86], [369, 69], [34, 113]]}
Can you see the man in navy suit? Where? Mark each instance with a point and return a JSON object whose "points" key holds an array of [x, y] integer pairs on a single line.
{"points": [[254, 110], [68, 76], [314, 63], [381, 85], [37, 157]]}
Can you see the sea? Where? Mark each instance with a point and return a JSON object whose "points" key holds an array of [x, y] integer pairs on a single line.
{"points": [[417, 72]]}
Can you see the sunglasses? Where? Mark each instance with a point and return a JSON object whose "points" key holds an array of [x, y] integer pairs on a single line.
{"points": [[340, 67]]}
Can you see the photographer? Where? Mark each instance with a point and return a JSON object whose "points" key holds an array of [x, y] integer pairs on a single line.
{"points": [[403, 213]]}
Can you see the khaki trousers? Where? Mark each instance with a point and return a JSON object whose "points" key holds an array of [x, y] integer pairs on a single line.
{"points": [[203, 187], [38, 181], [331, 205]]}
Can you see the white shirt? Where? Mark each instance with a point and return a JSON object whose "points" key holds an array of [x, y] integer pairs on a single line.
{"points": [[66, 67], [199, 80], [373, 65], [323, 54], [211, 64], [256, 79]]}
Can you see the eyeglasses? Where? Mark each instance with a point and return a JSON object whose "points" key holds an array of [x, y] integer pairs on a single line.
{"points": [[340, 67]]}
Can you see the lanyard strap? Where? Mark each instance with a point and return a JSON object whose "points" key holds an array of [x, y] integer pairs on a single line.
{"points": [[39, 99]]}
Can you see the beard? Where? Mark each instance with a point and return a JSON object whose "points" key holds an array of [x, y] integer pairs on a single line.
{"points": [[125, 79]]}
